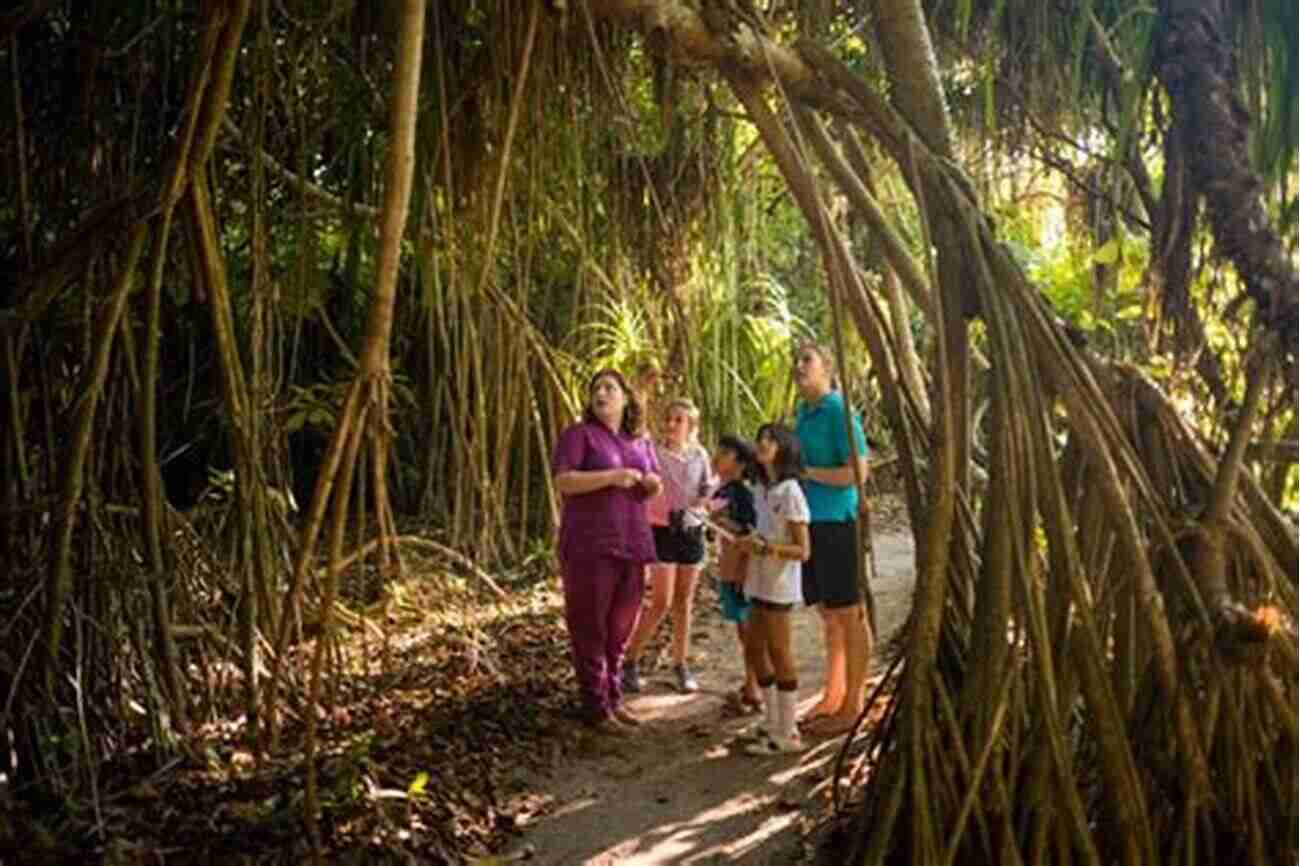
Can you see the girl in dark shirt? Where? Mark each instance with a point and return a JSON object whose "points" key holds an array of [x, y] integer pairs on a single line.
{"points": [[733, 509]]}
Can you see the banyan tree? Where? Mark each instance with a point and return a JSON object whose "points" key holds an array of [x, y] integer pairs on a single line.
{"points": [[1101, 662]]}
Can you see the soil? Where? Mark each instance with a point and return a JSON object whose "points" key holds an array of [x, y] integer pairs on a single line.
{"points": [[682, 791], [455, 739]]}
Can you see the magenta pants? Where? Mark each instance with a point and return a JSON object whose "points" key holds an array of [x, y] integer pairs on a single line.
{"points": [[602, 599]]}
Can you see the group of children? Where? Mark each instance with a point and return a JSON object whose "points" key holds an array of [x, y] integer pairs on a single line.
{"points": [[754, 506]]}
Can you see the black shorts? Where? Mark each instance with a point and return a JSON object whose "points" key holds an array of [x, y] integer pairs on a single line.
{"points": [[830, 574], [678, 546]]}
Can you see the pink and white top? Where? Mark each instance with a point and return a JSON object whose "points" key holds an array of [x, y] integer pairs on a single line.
{"points": [[687, 476]]}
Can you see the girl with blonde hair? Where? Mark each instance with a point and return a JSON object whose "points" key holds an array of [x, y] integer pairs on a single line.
{"points": [[679, 543]]}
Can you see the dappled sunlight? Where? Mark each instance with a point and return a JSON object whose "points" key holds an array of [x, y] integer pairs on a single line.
{"points": [[682, 789], [574, 807], [717, 804], [296, 300]]}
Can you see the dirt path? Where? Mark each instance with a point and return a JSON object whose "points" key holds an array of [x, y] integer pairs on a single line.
{"points": [[682, 792]]}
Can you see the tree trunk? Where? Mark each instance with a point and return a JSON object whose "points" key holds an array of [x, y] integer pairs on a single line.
{"points": [[1196, 66], [369, 394], [913, 69]]}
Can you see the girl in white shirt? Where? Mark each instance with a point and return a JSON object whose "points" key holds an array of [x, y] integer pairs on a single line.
{"points": [[777, 546]]}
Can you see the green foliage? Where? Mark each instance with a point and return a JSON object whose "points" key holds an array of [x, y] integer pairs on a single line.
{"points": [[1066, 275], [1067, 269], [314, 406], [418, 785], [1277, 70], [620, 334], [744, 341], [317, 406]]}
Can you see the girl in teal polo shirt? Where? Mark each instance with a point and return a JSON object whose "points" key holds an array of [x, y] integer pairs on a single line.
{"points": [[830, 576]]}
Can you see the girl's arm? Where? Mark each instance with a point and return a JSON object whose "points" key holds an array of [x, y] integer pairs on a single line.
{"points": [[735, 527], [837, 476], [709, 483], [798, 549]]}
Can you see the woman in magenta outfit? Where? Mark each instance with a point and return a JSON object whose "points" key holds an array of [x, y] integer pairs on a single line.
{"points": [[606, 469]]}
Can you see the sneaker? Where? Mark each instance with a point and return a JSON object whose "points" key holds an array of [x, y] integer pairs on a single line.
{"points": [[631, 677], [686, 681], [776, 746]]}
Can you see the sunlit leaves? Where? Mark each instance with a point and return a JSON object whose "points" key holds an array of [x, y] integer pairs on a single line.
{"points": [[1107, 253]]}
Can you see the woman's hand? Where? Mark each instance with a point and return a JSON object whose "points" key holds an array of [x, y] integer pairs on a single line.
{"points": [[578, 482], [728, 524], [627, 478], [651, 484]]}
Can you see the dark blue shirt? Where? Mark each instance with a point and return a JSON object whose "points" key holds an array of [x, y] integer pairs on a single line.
{"points": [[740, 504]]}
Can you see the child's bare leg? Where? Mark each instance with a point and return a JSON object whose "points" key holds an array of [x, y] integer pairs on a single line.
{"points": [[750, 689], [745, 630], [756, 657], [683, 605], [855, 652], [787, 675], [661, 598], [778, 645]]}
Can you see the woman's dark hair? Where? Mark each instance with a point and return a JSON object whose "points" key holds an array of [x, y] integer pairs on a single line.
{"points": [[789, 459], [633, 416], [744, 452]]}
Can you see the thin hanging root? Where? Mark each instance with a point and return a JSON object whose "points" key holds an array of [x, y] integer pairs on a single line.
{"points": [[1171, 451], [1162, 456], [973, 775], [338, 520]]}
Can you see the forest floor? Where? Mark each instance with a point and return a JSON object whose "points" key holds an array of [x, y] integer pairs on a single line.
{"points": [[451, 735], [682, 791]]}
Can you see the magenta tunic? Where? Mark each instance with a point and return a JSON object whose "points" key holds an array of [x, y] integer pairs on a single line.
{"points": [[605, 542], [609, 523]]}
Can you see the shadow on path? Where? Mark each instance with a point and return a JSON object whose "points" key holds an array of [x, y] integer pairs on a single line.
{"points": [[683, 791]]}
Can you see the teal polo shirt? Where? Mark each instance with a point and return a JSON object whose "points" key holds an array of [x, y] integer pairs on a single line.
{"points": [[825, 445]]}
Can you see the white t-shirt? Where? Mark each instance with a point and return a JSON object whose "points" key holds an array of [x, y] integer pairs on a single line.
{"points": [[770, 578]]}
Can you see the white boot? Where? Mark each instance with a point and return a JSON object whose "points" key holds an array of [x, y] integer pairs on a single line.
{"points": [[782, 728], [770, 722], [788, 715]]}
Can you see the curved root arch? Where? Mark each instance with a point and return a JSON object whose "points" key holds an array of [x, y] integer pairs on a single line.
{"points": [[1073, 687], [1102, 689]]}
